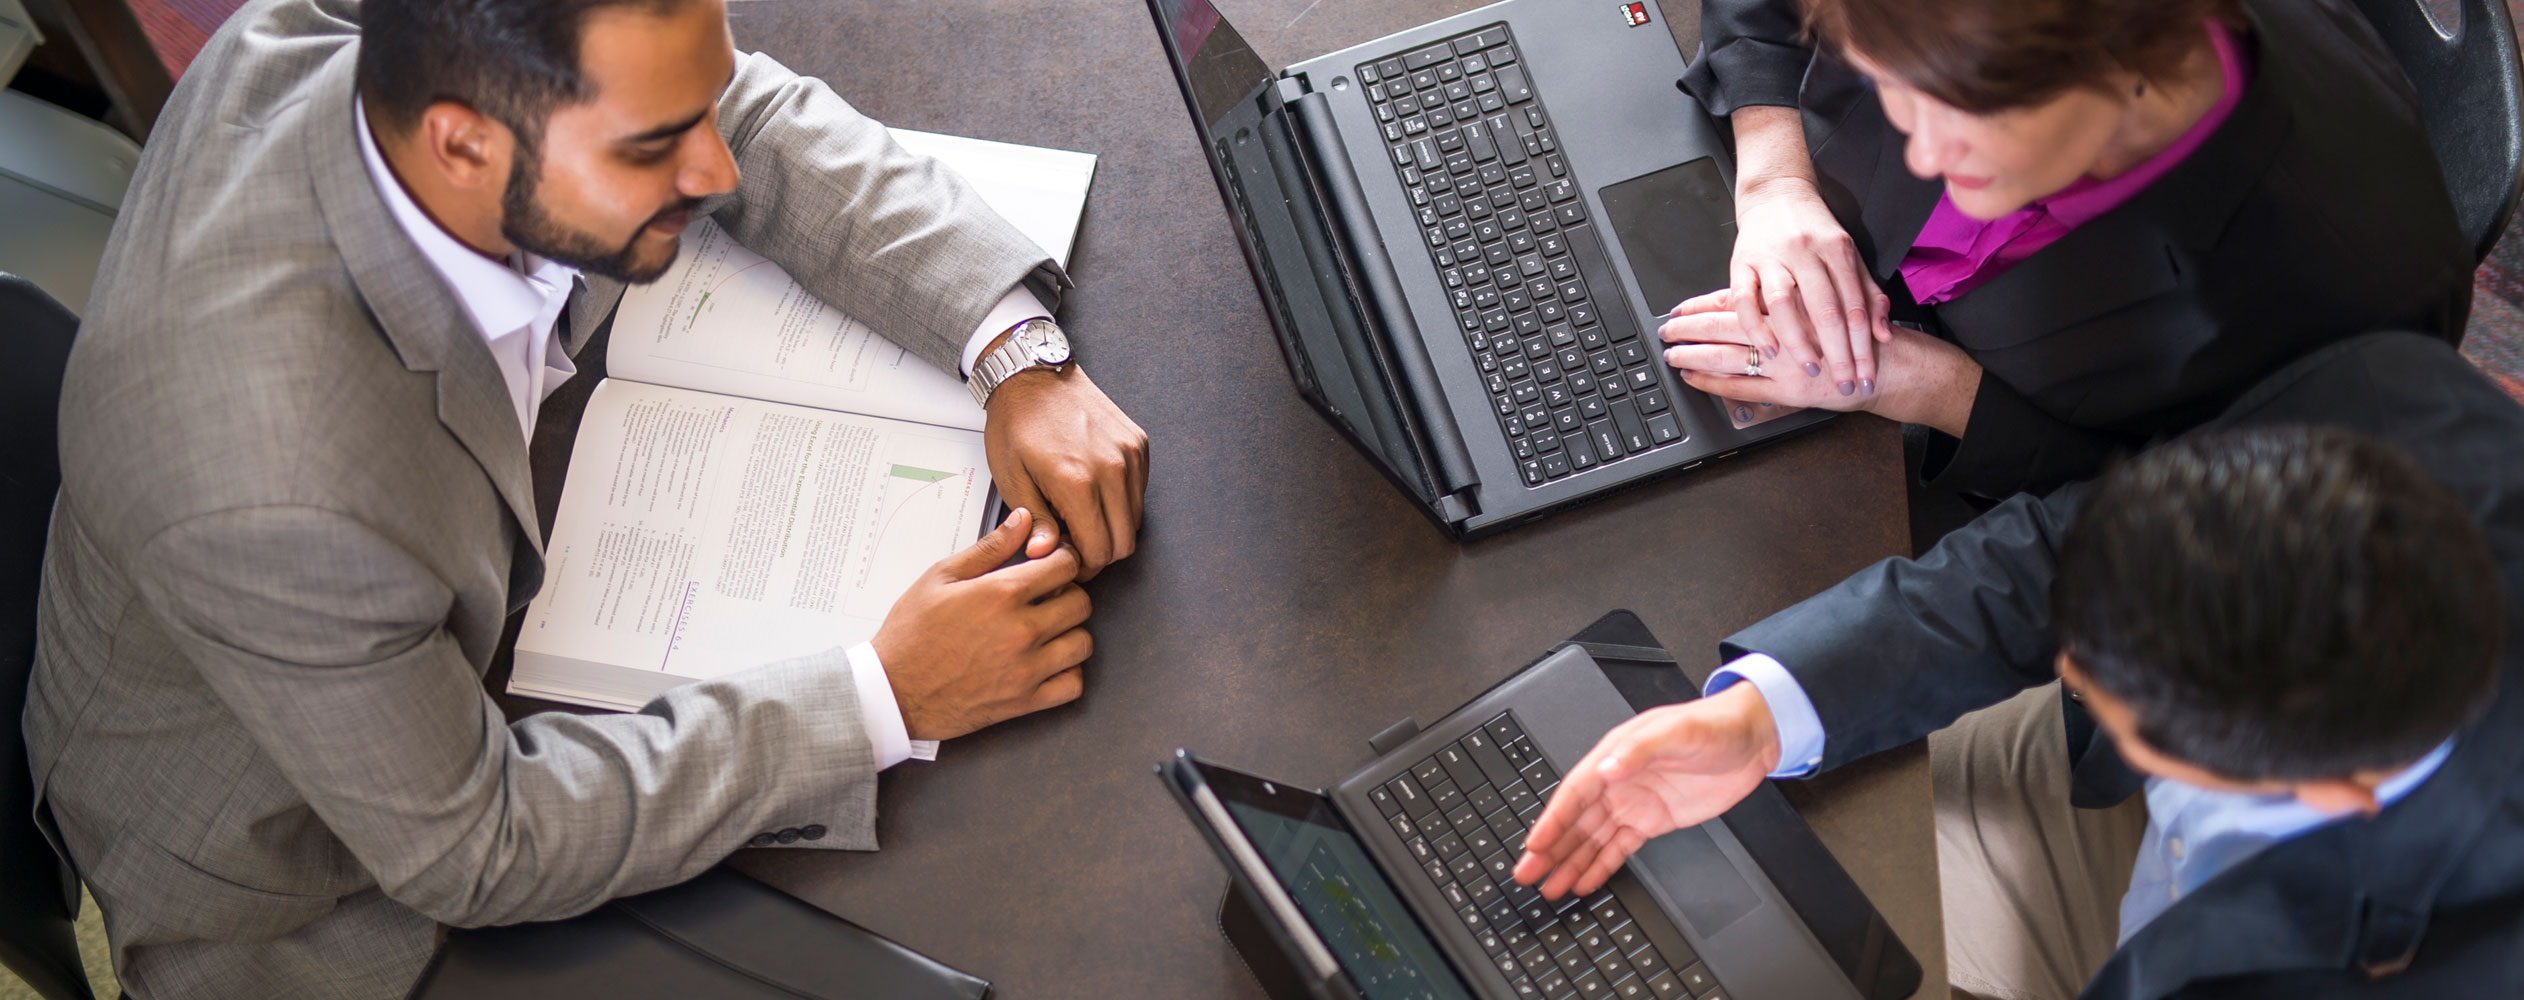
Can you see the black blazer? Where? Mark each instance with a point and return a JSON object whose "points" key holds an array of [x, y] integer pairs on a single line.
{"points": [[2435, 883], [2315, 212]]}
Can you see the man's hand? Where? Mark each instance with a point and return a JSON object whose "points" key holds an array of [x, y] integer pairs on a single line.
{"points": [[1665, 769], [1059, 448], [969, 645]]}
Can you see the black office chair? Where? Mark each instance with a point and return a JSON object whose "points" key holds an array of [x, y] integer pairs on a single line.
{"points": [[37, 893], [2471, 94]]}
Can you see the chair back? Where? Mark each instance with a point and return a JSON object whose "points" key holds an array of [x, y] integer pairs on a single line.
{"points": [[36, 894], [2471, 95]]}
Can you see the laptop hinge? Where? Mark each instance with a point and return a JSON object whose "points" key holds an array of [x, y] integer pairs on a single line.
{"points": [[1394, 736], [1457, 508], [1377, 289]]}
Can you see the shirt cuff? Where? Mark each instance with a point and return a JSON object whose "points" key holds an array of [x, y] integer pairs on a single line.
{"points": [[1791, 712], [880, 716], [1018, 306]]}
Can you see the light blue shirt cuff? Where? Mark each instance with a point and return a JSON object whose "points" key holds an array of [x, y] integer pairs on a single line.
{"points": [[1791, 713]]}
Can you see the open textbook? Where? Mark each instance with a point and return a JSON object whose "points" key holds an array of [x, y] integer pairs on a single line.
{"points": [[762, 475]]}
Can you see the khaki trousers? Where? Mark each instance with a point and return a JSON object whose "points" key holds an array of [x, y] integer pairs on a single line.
{"points": [[2032, 885]]}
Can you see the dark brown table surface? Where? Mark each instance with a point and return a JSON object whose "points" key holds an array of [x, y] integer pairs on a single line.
{"points": [[1285, 602]]}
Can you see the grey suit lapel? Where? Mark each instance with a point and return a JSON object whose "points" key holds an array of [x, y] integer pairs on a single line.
{"points": [[420, 315]]}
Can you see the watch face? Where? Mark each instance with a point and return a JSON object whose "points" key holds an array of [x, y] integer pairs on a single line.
{"points": [[1049, 346]]}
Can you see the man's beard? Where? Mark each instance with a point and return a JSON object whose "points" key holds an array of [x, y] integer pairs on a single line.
{"points": [[524, 222]]}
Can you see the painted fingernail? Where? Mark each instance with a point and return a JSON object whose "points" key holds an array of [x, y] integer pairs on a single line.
{"points": [[1866, 385], [1812, 369], [1772, 351], [1847, 387]]}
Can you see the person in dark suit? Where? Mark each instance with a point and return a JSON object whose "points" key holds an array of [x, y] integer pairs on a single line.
{"points": [[2108, 217], [2292, 629]]}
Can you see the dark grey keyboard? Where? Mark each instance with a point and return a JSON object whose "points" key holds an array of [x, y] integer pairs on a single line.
{"points": [[1463, 813], [1573, 386]]}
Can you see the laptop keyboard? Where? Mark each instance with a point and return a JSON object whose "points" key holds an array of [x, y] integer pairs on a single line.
{"points": [[1572, 386], [1462, 814]]}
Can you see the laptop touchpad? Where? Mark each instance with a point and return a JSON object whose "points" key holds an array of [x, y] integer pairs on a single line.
{"points": [[1700, 879], [1677, 227]]}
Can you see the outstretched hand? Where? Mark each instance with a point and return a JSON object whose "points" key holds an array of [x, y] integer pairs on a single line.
{"points": [[1665, 769]]}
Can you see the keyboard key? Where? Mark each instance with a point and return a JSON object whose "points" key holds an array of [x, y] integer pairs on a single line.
{"points": [[1633, 433], [1402, 825], [1447, 845], [1580, 450], [1512, 85], [1612, 967], [1664, 986], [1482, 891], [1662, 427], [1647, 960], [1697, 978], [1555, 466], [1463, 866], [1428, 57], [1591, 986], [1443, 797]]}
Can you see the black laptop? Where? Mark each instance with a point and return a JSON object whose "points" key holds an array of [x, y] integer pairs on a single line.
{"points": [[1466, 235], [1396, 885]]}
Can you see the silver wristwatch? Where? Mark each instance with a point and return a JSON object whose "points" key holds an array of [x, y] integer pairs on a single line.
{"points": [[1035, 343]]}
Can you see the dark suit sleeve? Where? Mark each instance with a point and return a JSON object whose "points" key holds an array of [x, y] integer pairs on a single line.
{"points": [[2011, 446], [1751, 52], [1907, 646]]}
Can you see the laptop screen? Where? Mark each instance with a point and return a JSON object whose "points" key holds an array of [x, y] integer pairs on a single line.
{"points": [[1219, 67], [1345, 897]]}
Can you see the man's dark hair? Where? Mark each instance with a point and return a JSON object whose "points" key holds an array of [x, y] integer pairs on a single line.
{"points": [[513, 60], [2283, 603]]}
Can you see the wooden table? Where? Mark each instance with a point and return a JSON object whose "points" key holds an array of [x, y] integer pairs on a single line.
{"points": [[1285, 602]]}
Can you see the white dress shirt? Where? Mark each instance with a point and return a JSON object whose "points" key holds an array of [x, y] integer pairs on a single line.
{"points": [[515, 304]]}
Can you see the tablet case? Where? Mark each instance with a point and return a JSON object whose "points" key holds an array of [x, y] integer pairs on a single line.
{"points": [[721, 935], [1817, 888]]}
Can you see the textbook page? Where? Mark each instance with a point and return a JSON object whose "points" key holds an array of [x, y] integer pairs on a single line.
{"points": [[724, 319], [700, 534]]}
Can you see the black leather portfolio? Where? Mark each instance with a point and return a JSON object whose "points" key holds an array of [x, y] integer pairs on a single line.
{"points": [[722, 935]]}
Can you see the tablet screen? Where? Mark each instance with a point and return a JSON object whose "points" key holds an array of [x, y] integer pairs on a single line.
{"points": [[1345, 897]]}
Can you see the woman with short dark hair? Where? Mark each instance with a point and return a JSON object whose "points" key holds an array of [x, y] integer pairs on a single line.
{"points": [[2107, 216]]}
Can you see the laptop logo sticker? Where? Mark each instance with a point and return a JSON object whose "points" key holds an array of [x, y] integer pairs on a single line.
{"points": [[1635, 14]]}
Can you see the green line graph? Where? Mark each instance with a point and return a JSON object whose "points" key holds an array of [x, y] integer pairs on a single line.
{"points": [[920, 475]]}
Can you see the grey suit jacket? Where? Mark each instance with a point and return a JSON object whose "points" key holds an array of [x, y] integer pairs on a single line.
{"points": [[295, 514]]}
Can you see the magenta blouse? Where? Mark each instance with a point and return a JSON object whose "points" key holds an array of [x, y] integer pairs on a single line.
{"points": [[1956, 253]]}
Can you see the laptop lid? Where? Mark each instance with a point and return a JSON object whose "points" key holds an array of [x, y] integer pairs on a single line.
{"points": [[1316, 280], [1317, 884]]}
